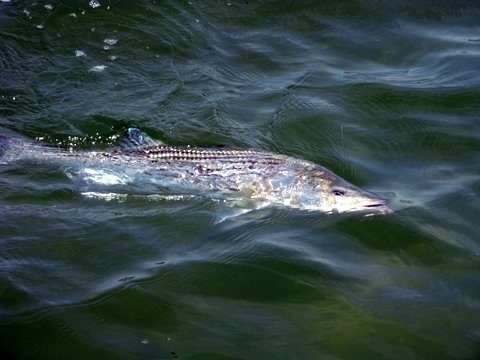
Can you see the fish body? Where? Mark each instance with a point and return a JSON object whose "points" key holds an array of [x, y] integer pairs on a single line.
{"points": [[254, 174]]}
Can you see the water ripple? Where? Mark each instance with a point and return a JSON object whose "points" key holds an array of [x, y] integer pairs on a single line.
{"points": [[383, 93]]}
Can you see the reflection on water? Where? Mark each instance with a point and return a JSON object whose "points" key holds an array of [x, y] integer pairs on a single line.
{"points": [[383, 94]]}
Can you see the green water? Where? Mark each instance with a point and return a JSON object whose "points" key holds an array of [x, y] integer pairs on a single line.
{"points": [[384, 93]]}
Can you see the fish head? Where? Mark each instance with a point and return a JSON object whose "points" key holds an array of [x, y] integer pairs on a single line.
{"points": [[342, 197], [320, 189]]}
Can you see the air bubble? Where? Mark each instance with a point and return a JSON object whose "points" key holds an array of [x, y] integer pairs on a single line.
{"points": [[94, 4], [110, 41]]}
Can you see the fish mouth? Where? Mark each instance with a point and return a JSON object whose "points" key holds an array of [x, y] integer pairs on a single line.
{"points": [[370, 209], [377, 208]]}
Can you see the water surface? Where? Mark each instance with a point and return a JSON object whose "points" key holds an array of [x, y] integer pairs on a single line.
{"points": [[385, 94]]}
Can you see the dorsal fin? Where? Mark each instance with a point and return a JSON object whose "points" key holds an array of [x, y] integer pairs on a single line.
{"points": [[134, 138]]}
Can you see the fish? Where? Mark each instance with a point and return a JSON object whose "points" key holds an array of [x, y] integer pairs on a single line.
{"points": [[254, 175]]}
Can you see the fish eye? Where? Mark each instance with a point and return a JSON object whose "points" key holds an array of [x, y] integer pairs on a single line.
{"points": [[338, 192]]}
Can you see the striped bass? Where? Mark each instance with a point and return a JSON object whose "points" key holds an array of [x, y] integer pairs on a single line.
{"points": [[254, 174]]}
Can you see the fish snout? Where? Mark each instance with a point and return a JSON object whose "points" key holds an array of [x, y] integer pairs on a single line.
{"points": [[377, 206]]}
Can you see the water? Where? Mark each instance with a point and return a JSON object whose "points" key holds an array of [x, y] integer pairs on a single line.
{"points": [[385, 94]]}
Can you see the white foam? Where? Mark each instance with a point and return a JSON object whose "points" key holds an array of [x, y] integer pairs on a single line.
{"points": [[97, 68], [109, 196], [103, 177]]}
